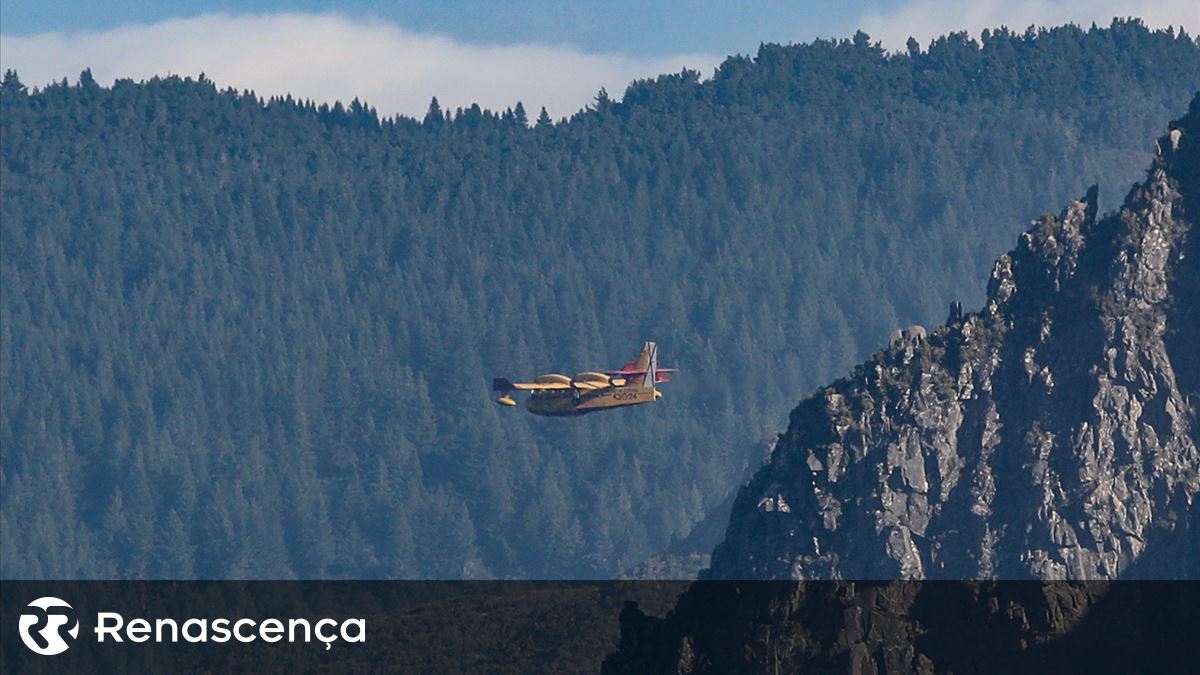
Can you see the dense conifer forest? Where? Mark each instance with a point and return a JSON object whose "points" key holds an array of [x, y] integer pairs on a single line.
{"points": [[254, 338]]}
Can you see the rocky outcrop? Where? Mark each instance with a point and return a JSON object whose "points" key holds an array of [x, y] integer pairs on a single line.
{"points": [[1046, 436], [1050, 437], [915, 627]]}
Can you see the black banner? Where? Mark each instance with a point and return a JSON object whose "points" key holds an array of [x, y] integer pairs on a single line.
{"points": [[643, 626]]}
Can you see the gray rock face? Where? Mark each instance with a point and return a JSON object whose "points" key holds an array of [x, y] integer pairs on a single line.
{"points": [[1046, 436], [912, 334], [1050, 436]]}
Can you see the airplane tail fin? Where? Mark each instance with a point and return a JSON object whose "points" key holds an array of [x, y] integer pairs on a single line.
{"points": [[645, 366], [648, 360]]}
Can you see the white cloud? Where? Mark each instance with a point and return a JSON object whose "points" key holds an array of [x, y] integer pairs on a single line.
{"points": [[927, 19], [330, 57]]}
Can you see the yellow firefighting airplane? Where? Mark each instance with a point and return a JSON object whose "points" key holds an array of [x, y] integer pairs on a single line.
{"points": [[560, 395]]}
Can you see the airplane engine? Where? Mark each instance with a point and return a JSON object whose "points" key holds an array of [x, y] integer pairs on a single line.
{"points": [[589, 376], [552, 378]]}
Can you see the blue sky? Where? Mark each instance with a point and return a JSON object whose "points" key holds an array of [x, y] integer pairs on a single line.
{"points": [[397, 55], [634, 28]]}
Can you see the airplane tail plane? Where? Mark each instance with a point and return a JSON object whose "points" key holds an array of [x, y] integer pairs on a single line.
{"points": [[646, 366]]}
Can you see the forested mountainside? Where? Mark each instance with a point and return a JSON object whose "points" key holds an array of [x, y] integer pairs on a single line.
{"points": [[1050, 436], [248, 338]]}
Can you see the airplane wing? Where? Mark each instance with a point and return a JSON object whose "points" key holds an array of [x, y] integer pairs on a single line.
{"points": [[502, 384], [583, 381], [539, 386]]}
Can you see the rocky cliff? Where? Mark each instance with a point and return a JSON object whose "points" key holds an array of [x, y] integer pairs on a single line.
{"points": [[1050, 437]]}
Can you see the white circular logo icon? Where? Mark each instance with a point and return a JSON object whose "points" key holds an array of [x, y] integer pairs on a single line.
{"points": [[48, 626]]}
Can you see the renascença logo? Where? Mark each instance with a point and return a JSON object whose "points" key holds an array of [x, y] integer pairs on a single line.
{"points": [[48, 626], [48, 622]]}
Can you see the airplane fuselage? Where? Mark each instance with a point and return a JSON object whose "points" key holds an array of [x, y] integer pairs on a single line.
{"points": [[566, 402], [557, 395]]}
